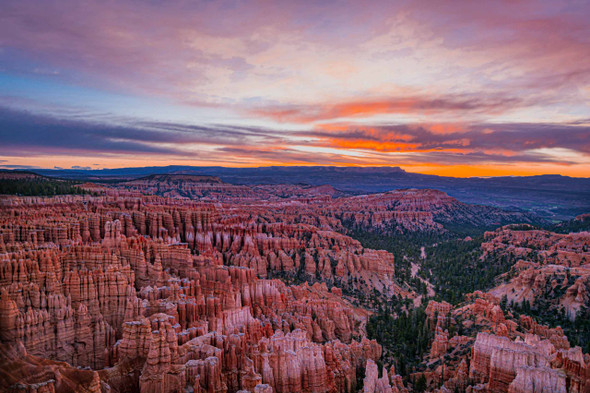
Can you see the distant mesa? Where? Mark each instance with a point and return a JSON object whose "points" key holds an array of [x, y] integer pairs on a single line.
{"points": [[542, 195], [20, 175], [175, 177]]}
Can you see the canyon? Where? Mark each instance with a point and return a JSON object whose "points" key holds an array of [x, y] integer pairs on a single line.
{"points": [[184, 283]]}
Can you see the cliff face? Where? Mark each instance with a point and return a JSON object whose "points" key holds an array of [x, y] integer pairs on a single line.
{"points": [[127, 292], [388, 383], [544, 247], [23, 372], [501, 353], [413, 210], [187, 186], [407, 210], [551, 267], [211, 188], [521, 366], [162, 295]]}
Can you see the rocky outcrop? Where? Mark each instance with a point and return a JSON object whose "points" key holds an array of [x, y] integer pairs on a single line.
{"points": [[538, 380], [417, 210], [510, 353], [23, 372], [516, 366], [548, 266], [388, 383], [211, 188], [166, 295], [440, 344], [544, 247], [124, 291]]}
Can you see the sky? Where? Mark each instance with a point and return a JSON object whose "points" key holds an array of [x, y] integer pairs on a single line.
{"points": [[449, 87]]}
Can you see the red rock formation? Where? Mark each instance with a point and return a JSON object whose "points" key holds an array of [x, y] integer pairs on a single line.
{"points": [[548, 248], [415, 210], [22, 372], [162, 295], [544, 266], [509, 354], [440, 345], [511, 366], [460, 379], [537, 380], [372, 382]]}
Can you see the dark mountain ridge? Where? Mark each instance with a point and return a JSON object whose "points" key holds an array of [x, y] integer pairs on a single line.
{"points": [[553, 197]]}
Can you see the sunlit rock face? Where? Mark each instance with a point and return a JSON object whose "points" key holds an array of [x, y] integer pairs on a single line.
{"points": [[125, 292], [407, 210], [187, 290], [531, 365], [548, 266], [501, 353]]}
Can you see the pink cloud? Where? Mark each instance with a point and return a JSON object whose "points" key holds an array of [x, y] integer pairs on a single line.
{"points": [[174, 48], [455, 73]]}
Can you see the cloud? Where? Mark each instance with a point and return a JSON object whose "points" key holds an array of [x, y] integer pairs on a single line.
{"points": [[454, 81], [509, 139], [415, 104], [293, 53], [27, 135], [19, 167]]}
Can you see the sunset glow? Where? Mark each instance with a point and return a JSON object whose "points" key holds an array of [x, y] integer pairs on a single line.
{"points": [[444, 87]]}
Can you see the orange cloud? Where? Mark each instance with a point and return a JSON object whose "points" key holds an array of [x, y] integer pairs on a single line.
{"points": [[371, 145], [417, 104]]}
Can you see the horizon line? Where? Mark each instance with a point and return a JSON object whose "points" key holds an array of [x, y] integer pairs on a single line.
{"points": [[18, 168]]}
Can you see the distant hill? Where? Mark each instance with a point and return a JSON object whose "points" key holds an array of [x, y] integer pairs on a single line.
{"points": [[178, 178], [553, 197], [20, 175], [423, 210], [578, 224], [31, 184]]}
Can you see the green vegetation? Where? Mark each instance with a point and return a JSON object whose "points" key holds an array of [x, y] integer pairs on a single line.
{"points": [[545, 312], [575, 225], [405, 247], [578, 331], [38, 186], [420, 385], [453, 266], [522, 227], [405, 336], [456, 267], [463, 229]]}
